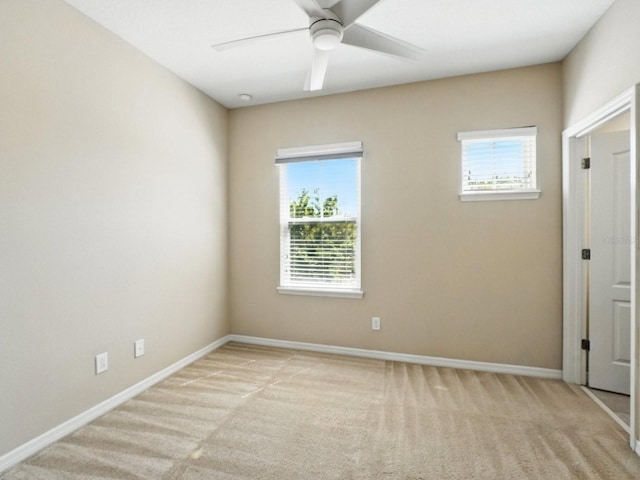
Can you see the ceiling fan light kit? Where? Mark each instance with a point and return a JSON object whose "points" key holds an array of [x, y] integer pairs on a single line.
{"points": [[330, 27], [326, 34]]}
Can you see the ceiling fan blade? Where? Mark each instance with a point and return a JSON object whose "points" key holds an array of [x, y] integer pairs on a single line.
{"points": [[349, 10], [315, 79], [363, 37], [311, 8], [241, 42]]}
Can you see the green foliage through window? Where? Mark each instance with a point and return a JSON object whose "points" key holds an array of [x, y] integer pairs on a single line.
{"points": [[322, 241]]}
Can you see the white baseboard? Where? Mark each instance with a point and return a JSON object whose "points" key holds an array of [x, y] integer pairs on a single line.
{"points": [[33, 446], [28, 449], [403, 357]]}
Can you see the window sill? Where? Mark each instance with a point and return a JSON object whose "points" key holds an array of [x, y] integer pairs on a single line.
{"points": [[321, 292], [490, 196]]}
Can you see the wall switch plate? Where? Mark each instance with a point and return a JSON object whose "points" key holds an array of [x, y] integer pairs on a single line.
{"points": [[375, 323], [138, 348], [102, 363]]}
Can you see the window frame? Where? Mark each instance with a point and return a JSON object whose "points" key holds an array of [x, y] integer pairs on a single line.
{"points": [[496, 194], [329, 152]]}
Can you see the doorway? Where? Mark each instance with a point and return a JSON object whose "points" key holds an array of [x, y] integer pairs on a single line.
{"points": [[601, 215]]}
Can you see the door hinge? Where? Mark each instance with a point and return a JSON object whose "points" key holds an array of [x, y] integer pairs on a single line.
{"points": [[586, 254], [585, 344], [586, 163]]}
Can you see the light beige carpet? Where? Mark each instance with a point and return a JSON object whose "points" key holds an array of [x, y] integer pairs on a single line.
{"points": [[247, 412]]}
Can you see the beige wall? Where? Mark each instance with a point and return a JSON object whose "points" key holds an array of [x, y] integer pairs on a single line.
{"points": [[605, 63], [112, 216], [475, 281]]}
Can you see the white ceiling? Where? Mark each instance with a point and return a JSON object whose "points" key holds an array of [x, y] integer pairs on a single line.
{"points": [[458, 36]]}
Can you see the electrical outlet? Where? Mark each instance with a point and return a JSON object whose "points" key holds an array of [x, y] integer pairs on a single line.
{"points": [[102, 363], [375, 323], [138, 348]]}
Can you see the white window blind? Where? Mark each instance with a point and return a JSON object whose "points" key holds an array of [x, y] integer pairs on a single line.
{"points": [[499, 161], [320, 218]]}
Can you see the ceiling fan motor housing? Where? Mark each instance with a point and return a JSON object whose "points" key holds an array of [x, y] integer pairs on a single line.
{"points": [[326, 33]]}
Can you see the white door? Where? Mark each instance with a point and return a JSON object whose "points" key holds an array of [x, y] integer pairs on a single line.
{"points": [[610, 265]]}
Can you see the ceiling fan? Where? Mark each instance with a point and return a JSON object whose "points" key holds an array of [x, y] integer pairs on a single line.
{"points": [[328, 28]]}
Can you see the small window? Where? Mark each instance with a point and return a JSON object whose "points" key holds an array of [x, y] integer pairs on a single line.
{"points": [[499, 164], [320, 220]]}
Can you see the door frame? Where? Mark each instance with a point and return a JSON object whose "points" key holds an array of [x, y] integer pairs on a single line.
{"points": [[574, 240]]}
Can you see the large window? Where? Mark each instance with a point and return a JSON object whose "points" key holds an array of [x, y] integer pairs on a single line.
{"points": [[320, 219], [499, 164]]}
